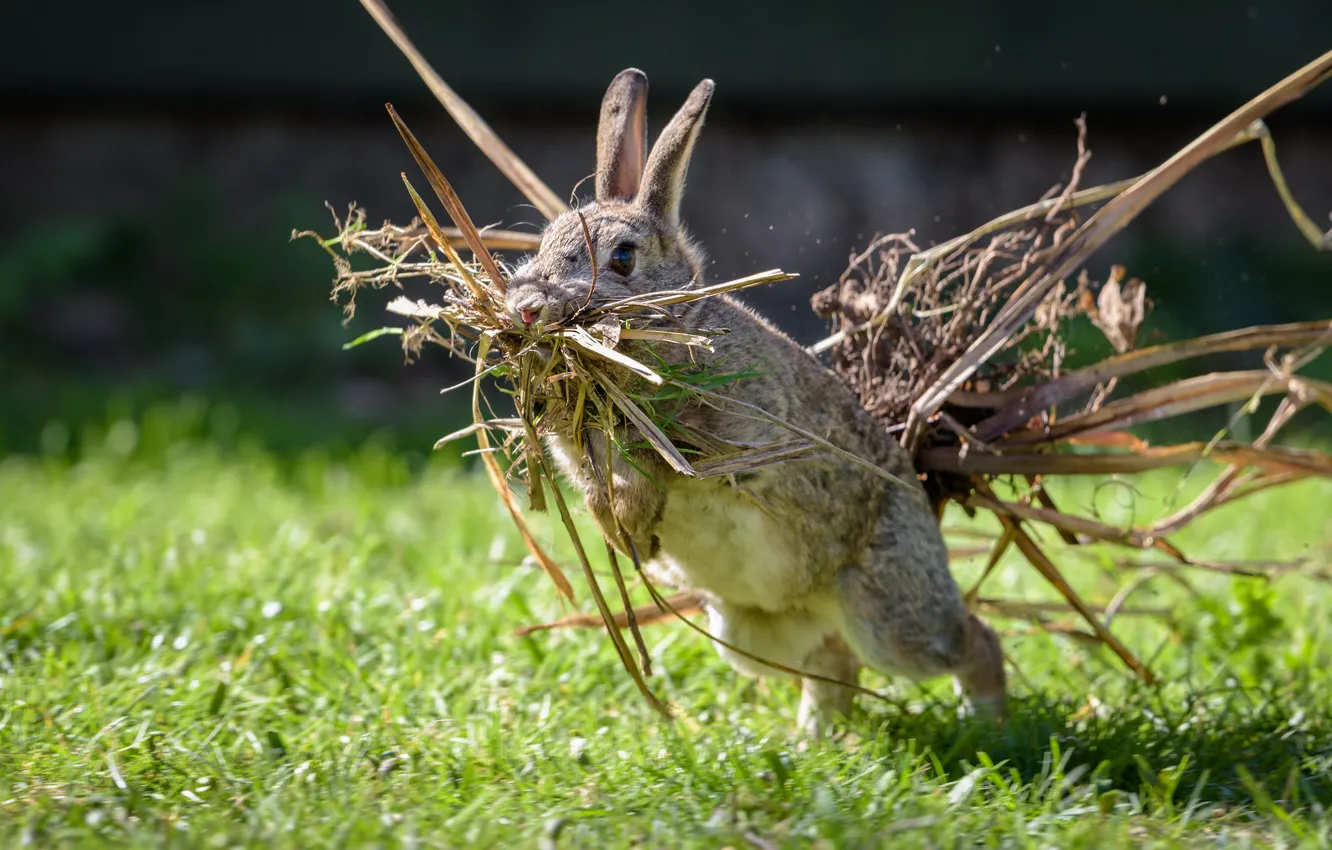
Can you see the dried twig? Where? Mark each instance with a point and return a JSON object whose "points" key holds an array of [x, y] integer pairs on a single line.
{"points": [[1038, 559], [546, 201]]}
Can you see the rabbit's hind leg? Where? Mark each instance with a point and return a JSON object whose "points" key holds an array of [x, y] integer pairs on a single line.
{"points": [[802, 639], [823, 702], [908, 616]]}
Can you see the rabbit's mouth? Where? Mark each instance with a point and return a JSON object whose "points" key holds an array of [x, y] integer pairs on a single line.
{"points": [[529, 315], [536, 309]]}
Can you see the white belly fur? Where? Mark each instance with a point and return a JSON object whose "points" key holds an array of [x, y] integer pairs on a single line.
{"points": [[714, 538]]}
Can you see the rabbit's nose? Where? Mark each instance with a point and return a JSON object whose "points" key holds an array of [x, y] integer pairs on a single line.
{"points": [[526, 306], [528, 312]]}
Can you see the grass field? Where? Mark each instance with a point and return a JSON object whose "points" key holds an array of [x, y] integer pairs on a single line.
{"points": [[221, 649]]}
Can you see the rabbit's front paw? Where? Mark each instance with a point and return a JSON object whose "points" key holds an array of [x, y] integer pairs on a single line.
{"points": [[634, 519]]}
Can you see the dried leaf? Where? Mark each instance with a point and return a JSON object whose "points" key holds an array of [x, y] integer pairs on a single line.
{"points": [[1277, 459], [511, 425], [608, 328], [683, 296], [1174, 399], [1120, 309], [1017, 406], [676, 337], [452, 204], [584, 340]]}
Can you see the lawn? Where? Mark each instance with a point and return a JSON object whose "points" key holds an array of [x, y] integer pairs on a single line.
{"points": [[222, 648]]}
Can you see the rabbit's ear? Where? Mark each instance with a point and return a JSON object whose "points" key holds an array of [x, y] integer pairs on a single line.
{"points": [[663, 181], [622, 136]]}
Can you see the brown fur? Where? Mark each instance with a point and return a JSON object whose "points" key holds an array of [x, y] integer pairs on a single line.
{"points": [[816, 563]]}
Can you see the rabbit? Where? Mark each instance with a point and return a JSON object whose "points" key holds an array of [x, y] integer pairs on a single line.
{"points": [[816, 563]]}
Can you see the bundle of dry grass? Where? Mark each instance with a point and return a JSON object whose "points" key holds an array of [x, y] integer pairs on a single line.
{"points": [[960, 349], [957, 348]]}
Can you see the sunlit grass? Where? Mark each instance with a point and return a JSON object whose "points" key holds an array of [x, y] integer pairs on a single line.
{"points": [[205, 647]]}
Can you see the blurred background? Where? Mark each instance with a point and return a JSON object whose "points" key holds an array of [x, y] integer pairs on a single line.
{"points": [[155, 158]]}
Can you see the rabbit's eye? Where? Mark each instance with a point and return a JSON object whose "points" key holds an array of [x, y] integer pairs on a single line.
{"points": [[622, 260]]}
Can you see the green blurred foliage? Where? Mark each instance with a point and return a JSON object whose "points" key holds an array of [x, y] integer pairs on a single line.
{"points": [[104, 317]]}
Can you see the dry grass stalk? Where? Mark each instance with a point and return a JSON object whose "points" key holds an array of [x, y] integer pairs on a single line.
{"points": [[546, 201]]}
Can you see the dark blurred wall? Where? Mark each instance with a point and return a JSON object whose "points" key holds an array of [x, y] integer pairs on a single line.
{"points": [[156, 157], [850, 55]]}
